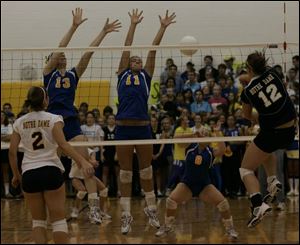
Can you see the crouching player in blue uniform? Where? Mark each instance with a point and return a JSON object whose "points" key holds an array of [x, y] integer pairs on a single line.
{"points": [[196, 182]]}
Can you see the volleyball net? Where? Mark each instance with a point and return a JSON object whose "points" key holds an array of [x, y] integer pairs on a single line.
{"points": [[23, 68]]}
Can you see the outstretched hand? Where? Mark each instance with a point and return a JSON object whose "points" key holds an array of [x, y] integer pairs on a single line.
{"points": [[111, 27], [135, 16], [77, 17], [168, 19]]}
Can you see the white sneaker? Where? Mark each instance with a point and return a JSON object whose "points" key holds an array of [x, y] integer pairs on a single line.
{"points": [[232, 234], [105, 216], [94, 216], [152, 215], [159, 194], [164, 230], [74, 213], [258, 213], [296, 192], [126, 221], [273, 188], [290, 193]]}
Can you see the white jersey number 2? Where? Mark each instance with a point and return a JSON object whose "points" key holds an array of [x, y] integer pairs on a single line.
{"points": [[273, 95], [37, 143]]}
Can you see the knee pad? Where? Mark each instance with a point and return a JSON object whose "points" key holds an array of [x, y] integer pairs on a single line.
{"points": [[245, 171], [39, 223], [223, 206], [93, 196], [103, 193], [81, 194], [125, 176], [171, 204], [146, 173], [60, 226]]}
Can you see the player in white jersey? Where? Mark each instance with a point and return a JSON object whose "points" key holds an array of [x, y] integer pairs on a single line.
{"points": [[78, 182], [92, 132], [42, 181]]}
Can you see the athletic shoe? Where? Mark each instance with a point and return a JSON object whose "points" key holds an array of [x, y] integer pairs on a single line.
{"points": [[159, 194], [258, 213], [94, 215], [126, 220], [164, 230], [273, 188], [74, 213], [105, 216], [232, 234], [152, 215]]}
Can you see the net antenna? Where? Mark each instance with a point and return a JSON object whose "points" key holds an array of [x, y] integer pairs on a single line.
{"points": [[284, 41]]}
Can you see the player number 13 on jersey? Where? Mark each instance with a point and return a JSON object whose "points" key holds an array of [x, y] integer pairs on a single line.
{"points": [[65, 82]]}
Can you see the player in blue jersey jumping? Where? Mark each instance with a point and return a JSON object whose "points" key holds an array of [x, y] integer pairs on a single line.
{"points": [[61, 85], [132, 120]]}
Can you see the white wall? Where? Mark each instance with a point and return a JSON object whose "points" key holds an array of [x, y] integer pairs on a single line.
{"points": [[42, 24]]}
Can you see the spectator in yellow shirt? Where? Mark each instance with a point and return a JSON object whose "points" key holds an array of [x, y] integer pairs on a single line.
{"points": [[183, 131]]}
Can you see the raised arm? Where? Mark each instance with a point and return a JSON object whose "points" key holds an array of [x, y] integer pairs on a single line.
{"points": [[53, 59], [135, 19], [164, 23], [85, 59]]}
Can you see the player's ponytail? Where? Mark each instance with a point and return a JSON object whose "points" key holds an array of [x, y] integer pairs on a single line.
{"points": [[257, 62], [35, 98]]}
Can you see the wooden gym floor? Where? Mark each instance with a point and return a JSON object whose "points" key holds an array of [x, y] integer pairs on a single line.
{"points": [[196, 223]]}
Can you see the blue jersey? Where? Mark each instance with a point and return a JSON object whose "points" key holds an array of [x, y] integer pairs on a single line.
{"points": [[197, 165], [232, 133], [133, 94], [61, 92]]}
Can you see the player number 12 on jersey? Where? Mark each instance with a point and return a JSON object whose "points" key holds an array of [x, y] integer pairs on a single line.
{"points": [[274, 95]]}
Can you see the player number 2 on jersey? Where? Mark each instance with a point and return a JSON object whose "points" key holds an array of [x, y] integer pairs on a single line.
{"points": [[273, 95], [37, 142]]}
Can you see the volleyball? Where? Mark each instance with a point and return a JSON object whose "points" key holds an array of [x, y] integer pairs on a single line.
{"points": [[188, 40]]}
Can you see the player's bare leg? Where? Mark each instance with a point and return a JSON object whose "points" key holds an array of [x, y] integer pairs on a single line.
{"points": [[144, 153], [125, 156]]}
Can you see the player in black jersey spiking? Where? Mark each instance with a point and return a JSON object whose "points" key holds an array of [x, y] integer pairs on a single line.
{"points": [[277, 119]]}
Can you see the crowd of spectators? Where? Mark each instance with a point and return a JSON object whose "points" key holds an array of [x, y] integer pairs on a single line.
{"points": [[188, 100]]}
